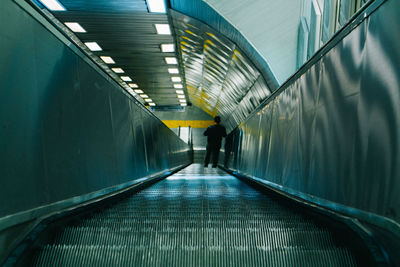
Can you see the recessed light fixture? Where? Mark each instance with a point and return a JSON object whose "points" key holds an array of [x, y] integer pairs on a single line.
{"points": [[107, 60], [176, 79], [156, 6], [133, 85], [171, 60], [183, 104], [163, 29], [173, 70], [118, 70], [93, 46], [75, 26], [179, 92], [53, 5], [144, 96], [178, 86], [126, 78], [152, 104], [181, 96], [182, 100], [166, 48], [148, 100], [138, 91]]}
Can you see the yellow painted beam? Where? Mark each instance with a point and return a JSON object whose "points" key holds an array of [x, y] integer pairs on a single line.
{"points": [[193, 124]]}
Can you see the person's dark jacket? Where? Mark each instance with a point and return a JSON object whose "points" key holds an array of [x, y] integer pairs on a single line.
{"points": [[214, 135]]}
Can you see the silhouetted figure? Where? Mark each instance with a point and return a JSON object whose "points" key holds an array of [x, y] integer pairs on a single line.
{"points": [[214, 135]]}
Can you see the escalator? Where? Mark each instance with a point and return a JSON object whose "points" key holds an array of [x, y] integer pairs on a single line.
{"points": [[197, 217]]}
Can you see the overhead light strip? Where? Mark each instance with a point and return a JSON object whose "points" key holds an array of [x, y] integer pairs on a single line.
{"points": [[133, 85], [126, 78], [118, 70], [176, 79], [167, 48], [156, 6], [107, 60], [75, 26], [173, 71], [163, 29], [171, 60], [53, 5], [93, 46]]}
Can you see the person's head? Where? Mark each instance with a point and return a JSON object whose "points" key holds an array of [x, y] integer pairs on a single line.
{"points": [[217, 119]]}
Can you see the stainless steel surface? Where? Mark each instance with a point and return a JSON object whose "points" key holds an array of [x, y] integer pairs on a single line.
{"points": [[66, 130], [200, 10], [219, 77], [333, 131], [196, 217]]}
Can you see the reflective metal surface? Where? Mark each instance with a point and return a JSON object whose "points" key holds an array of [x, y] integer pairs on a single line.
{"points": [[219, 78], [202, 11], [198, 217], [333, 132], [65, 129]]}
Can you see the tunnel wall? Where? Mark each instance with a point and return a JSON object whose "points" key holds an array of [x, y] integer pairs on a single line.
{"points": [[331, 135], [67, 129]]}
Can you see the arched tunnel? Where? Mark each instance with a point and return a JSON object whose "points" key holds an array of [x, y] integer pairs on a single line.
{"points": [[103, 109]]}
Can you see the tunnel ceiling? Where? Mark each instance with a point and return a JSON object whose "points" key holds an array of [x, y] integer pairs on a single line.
{"points": [[126, 32], [215, 75], [219, 78]]}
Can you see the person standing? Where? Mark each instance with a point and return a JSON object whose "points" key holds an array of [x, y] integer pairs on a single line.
{"points": [[214, 135]]}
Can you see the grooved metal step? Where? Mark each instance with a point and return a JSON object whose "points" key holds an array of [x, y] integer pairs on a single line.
{"points": [[197, 217]]}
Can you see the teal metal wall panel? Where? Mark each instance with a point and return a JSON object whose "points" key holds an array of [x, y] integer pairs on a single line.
{"points": [[332, 133], [66, 129]]}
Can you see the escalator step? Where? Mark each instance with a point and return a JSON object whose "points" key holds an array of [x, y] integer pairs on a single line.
{"points": [[198, 217]]}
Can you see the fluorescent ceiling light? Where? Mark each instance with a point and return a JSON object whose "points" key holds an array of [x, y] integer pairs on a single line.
{"points": [[126, 78], [144, 96], [163, 29], [182, 100], [107, 60], [53, 5], [166, 48], [133, 85], [178, 86], [181, 96], [183, 104], [152, 104], [93, 46], [173, 70], [176, 79], [157, 6], [179, 92], [118, 70], [138, 91], [171, 60], [148, 100], [75, 27]]}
